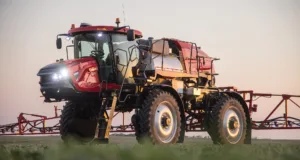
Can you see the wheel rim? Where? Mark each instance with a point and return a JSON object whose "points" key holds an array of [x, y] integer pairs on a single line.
{"points": [[233, 125], [165, 122]]}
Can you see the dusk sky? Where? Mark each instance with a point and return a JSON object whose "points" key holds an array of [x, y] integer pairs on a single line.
{"points": [[258, 42]]}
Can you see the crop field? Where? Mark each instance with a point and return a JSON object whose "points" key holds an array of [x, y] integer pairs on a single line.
{"points": [[126, 148]]}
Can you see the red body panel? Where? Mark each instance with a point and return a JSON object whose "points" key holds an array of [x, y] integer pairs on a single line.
{"points": [[185, 47], [102, 28], [88, 80]]}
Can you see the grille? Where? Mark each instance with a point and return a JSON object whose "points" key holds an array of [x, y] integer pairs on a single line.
{"points": [[45, 79]]}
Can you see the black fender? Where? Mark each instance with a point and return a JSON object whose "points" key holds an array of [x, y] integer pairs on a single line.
{"points": [[246, 108], [172, 91]]}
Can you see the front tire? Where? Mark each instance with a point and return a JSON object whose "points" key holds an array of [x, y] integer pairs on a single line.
{"points": [[159, 118], [77, 123]]}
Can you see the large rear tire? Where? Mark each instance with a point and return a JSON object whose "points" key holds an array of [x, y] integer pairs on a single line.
{"points": [[159, 118], [228, 123]]}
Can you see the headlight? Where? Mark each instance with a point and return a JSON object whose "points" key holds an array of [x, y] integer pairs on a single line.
{"points": [[55, 76], [63, 74]]}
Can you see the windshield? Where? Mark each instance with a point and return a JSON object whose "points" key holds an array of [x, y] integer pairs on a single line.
{"points": [[91, 44]]}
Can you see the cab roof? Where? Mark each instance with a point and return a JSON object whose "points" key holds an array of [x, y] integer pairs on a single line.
{"points": [[89, 28]]}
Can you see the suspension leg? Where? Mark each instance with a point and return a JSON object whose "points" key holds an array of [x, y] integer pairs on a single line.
{"points": [[101, 127], [110, 118], [100, 120]]}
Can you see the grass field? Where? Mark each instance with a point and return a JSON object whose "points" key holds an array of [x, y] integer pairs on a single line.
{"points": [[126, 148]]}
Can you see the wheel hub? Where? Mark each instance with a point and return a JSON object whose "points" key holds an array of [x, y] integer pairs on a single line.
{"points": [[165, 122], [232, 125]]}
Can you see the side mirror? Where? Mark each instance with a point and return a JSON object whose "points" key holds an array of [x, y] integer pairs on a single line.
{"points": [[130, 35], [58, 43]]}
